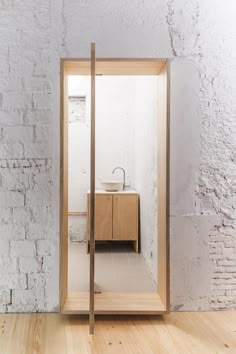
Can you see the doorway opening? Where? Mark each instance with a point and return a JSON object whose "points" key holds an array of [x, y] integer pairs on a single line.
{"points": [[132, 149]]}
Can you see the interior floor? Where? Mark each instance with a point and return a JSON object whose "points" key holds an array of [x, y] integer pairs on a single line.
{"points": [[177, 333], [118, 269]]}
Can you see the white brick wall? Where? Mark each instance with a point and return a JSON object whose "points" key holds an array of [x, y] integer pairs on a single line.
{"points": [[11, 199], [24, 232], [18, 133], [222, 244], [30, 264], [27, 183], [12, 232], [11, 118], [4, 248], [21, 215], [23, 248], [11, 151], [13, 281], [200, 36], [5, 215]]}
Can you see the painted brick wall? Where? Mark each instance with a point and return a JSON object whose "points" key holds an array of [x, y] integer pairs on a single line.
{"points": [[200, 37], [28, 214]]}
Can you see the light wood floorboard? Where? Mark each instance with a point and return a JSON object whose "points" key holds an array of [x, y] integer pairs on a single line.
{"points": [[177, 333]]}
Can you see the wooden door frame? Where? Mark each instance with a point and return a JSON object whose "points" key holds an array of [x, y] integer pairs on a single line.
{"points": [[120, 66]]}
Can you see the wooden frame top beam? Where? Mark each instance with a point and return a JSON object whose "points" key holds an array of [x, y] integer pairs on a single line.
{"points": [[114, 66]]}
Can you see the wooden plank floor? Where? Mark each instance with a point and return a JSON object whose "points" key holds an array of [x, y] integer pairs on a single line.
{"points": [[177, 333]]}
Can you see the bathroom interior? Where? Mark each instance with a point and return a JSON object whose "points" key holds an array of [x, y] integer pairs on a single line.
{"points": [[126, 183]]}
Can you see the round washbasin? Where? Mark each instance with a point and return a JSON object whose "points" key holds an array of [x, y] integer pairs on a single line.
{"points": [[111, 186]]}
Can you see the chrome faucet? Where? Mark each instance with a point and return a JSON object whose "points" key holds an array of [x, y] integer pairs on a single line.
{"points": [[121, 168]]}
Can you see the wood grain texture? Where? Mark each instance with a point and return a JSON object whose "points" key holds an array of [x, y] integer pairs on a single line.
{"points": [[103, 217], [116, 217], [163, 183], [115, 66], [63, 187], [177, 333], [92, 188], [125, 217], [114, 303]]}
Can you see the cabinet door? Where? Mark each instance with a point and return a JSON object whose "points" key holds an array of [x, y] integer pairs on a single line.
{"points": [[125, 217], [103, 217]]}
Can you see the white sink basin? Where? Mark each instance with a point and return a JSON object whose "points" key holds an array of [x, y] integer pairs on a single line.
{"points": [[112, 186]]}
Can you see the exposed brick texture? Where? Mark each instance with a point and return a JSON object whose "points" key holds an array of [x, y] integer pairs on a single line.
{"points": [[199, 36]]}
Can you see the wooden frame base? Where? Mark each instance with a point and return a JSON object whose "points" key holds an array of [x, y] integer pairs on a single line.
{"points": [[114, 303]]}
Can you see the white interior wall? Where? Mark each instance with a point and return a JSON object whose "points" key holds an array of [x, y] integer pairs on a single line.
{"points": [[78, 160], [145, 165], [114, 131], [126, 135]]}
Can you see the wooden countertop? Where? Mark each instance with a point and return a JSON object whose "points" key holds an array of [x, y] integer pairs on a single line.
{"points": [[126, 191]]}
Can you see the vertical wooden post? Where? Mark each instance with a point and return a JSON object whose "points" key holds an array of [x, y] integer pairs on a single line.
{"points": [[163, 141], [64, 188], [92, 191]]}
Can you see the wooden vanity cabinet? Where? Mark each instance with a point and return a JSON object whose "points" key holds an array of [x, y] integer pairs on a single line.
{"points": [[116, 217], [125, 217]]}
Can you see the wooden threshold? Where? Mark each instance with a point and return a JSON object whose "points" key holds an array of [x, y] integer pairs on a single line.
{"points": [[115, 303]]}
